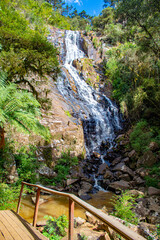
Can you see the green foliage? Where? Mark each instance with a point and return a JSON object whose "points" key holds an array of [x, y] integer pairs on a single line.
{"points": [[8, 195], [26, 162], [20, 109], [141, 136], [63, 166], [124, 206], [154, 175], [55, 228], [25, 49]]}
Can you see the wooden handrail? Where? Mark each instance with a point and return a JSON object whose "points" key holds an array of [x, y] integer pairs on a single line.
{"points": [[122, 230]]}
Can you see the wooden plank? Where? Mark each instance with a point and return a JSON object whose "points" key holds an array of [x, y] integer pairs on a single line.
{"points": [[25, 233], [34, 232], [1, 236], [18, 227], [4, 230], [14, 227], [9, 226]]}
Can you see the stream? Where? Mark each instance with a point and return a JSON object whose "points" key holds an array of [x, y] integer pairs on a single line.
{"points": [[57, 205]]}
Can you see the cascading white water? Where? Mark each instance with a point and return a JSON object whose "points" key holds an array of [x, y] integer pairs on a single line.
{"points": [[97, 112]]}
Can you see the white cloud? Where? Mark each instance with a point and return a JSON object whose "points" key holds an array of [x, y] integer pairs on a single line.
{"points": [[74, 1]]}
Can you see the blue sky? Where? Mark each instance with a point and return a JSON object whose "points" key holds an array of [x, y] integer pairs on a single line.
{"points": [[92, 7]]}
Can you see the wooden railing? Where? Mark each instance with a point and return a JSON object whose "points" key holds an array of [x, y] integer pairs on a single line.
{"points": [[122, 230]]}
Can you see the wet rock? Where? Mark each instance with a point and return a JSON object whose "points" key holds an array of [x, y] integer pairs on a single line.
{"points": [[153, 146], [41, 200], [108, 175], [85, 188], [102, 168], [47, 172], [122, 185], [116, 161], [122, 167], [105, 183], [85, 197], [148, 159], [153, 191], [78, 221]]}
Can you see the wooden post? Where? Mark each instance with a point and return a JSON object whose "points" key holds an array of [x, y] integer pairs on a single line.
{"points": [[71, 219], [20, 197], [36, 207]]}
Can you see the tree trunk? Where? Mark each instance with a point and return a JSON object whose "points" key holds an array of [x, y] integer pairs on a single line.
{"points": [[2, 140]]}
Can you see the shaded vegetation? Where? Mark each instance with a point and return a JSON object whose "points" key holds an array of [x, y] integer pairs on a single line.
{"points": [[55, 228]]}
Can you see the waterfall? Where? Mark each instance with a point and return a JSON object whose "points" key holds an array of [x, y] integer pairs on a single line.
{"points": [[98, 114]]}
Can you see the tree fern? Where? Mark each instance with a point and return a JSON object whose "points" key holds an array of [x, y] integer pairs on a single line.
{"points": [[20, 109]]}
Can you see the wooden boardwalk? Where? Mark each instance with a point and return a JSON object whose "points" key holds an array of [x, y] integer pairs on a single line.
{"points": [[14, 227]]}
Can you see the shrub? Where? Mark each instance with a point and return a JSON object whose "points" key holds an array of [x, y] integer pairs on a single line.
{"points": [[55, 228], [63, 166], [141, 136], [124, 206], [27, 164], [8, 195]]}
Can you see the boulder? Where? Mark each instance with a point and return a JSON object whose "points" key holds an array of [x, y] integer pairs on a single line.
{"points": [[153, 191], [85, 197], [136, 193], [90, 218], [105, 236], [47, 172], [125, 177], [142, 210], [125, 160], [108, 175], [78, 221], [71, 181], [146, 230], [153, 146], [123, 168], [41, 200], [148, 159], [131, 154], [102, 168], [116, 161], [85, 188], [122, 185], [139, 180], [142, 172]]}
